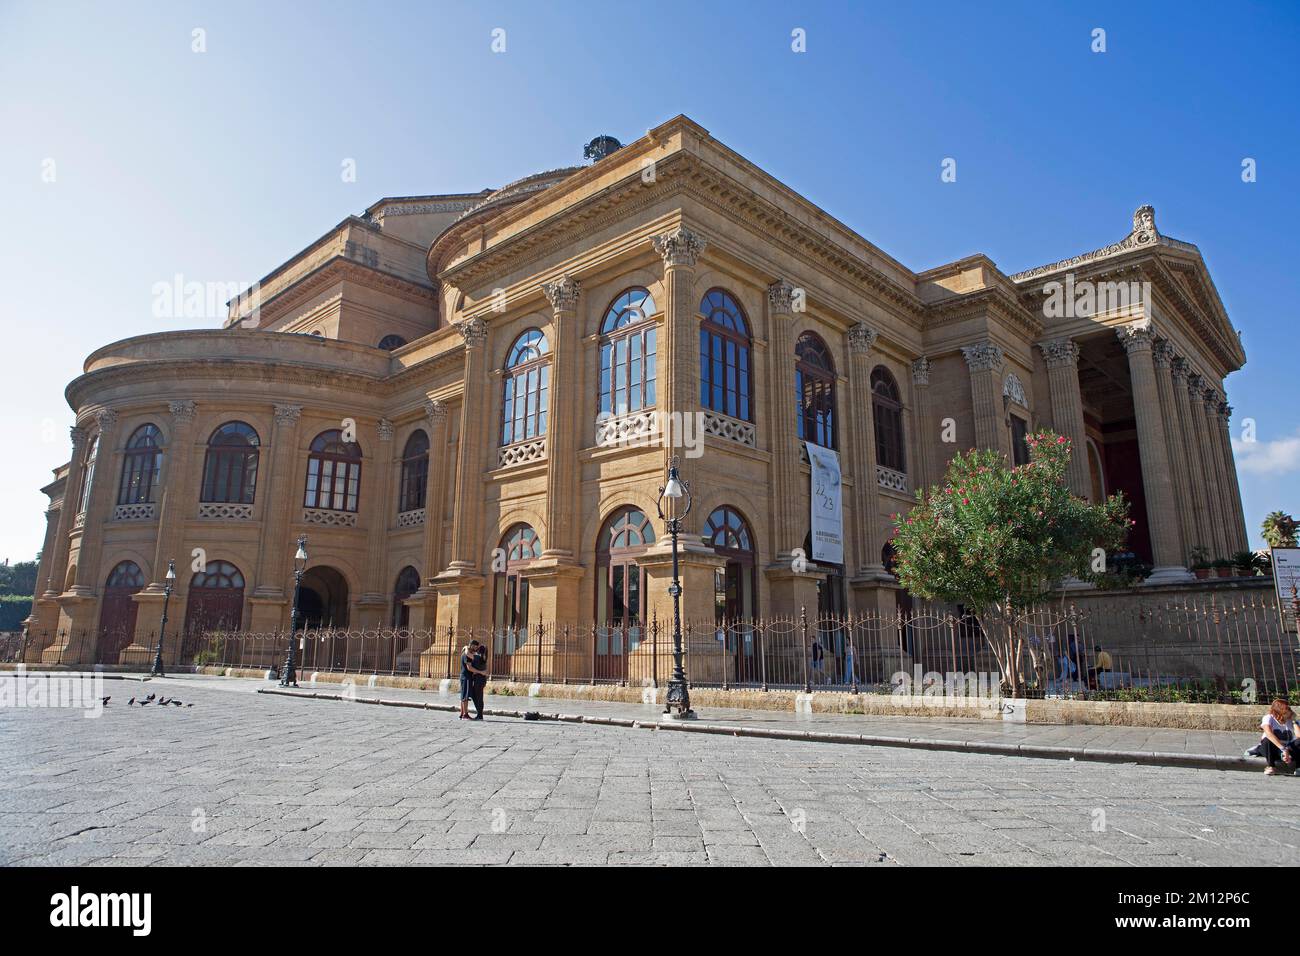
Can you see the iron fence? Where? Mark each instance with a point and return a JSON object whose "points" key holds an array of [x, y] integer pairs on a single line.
{"points": [[1196, 650]]}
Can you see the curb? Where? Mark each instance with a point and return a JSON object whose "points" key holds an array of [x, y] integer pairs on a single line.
{"points": [[1155, 758]]}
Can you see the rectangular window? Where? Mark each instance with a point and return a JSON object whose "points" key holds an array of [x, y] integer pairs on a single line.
{"points": [[1019, 445]]}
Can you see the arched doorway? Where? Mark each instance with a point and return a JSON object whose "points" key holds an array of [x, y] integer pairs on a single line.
{"points": [[216, 599], [323, 603], [117, 611], [735, 586], [519, 547], [620, 595], [407, 583]]}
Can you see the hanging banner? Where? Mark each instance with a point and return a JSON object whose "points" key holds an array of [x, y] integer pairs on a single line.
{"points": [[827, 505]]}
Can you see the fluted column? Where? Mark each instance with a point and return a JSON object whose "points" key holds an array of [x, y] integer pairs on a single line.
{"points": [[177, 500], [465, 543], [67, 514], [374, 598], [784, 426], [866, 491], [1201, 532], [678, 363], [1215, 474], [98, 506], [1162, 520], [423, 602], [1062, 359], [1239, 540], [1162, 355], [923, 471], [562, 478], [276, 489], [985, 364]]}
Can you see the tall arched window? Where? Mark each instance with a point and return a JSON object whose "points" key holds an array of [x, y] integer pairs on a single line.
{"points": [[735, 587], [527, 388], [390, 342], [726, 378], [117, 611], [140, 466], [521, 547], [620, 595], [216, 599], [333, 473], [887, 415], [87, 474], [415, 472], [407, 583], [230, 466], [814, 387], [627, 354]]}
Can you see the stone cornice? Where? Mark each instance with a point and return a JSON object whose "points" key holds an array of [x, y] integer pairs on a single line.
{"points": [[995, 300], [1143, 234]]}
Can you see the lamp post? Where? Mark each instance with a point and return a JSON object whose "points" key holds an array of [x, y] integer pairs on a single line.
{"points": [[674, 505], [290, 678], [157, 670]]}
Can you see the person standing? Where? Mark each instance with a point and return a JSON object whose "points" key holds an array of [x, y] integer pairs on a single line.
{"points": [[468, 655], [478, 678]]}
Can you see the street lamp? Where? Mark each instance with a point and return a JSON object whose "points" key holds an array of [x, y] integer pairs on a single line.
{"points": [[290, 678], [162, 628], [677, 496]]}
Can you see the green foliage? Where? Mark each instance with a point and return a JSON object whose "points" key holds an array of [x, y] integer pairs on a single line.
{"points": [[19, 578], [998, 537], [14, 609], [1279, 530]]}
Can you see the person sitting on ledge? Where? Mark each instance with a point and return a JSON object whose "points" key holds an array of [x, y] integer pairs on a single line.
{"points": [[1279, 744]]}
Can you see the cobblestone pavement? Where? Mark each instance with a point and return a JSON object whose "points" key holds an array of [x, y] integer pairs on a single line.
{"points": [[258, 779]]}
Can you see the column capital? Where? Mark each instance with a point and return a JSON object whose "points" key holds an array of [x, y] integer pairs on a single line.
{"points": [[1195, 386], [1225, 412], [474, 331], [1060, 353], [106, 419], [1134, 338], [1162, 353], [921, 371], [435, 409], [385, 428], [183, 411], [287, 414], [680, 247], [861, 339], [78, 435], [1178, 369], [1212, 399], [563, 293], [780, 296], [984, 357]]}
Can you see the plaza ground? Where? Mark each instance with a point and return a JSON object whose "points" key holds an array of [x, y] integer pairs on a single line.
{"points": [[248, 778]]}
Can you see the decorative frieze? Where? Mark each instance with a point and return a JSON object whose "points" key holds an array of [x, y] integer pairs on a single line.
{"points": [[1143, 234], [985, 357], [635, 429], [521, 453], [732, 429], [1060, 353], [680, 247], [563, 293], [862, 338], [136, 512], [329, 519], [411, 519], [225, 510]]}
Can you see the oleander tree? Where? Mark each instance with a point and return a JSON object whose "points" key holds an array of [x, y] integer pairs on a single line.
{"points": [[999, 539]]}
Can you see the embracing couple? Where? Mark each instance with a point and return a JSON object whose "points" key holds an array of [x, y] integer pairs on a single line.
{"points": [[473, 678]]}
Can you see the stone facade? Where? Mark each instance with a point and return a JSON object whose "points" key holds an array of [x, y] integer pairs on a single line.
{"points": [[507, 517]]}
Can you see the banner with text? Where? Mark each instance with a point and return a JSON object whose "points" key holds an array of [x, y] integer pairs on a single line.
{"points": [[827, 505]]}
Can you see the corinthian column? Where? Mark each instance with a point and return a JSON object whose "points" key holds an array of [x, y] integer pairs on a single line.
{"points": [[1062, 359], [374, 599], [1162, 355], [567, 409], [1200, 531], [67, 514], [985, 363], [275, 550], [423, 602], [1238, 539], [921, 390], [678, 363], [866, 495], [1162, 520], [785, 433], [98, 506], [1208, 406]]}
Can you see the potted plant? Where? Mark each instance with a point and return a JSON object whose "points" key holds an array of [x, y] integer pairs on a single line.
{"points": [[1246, 563], [1223, 567], [1200, 562]]}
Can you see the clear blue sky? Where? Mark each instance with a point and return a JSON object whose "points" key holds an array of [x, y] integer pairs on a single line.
{"points": [[219, 165]]}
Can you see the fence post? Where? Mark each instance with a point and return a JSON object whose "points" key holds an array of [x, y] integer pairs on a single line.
{"points": [[541, 630], [654, 648], [803, 632], [853, 660]]}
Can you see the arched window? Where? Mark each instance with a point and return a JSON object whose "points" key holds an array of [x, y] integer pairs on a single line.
{"points": [[140, 466], [407, 583], [333, 473], [620, 595], [814, 387], [87, 474], [230, 466], [735, 587], [726, 378], [527, 388], [415, 472], [887, 415], [117, 611], [627, 354], [521, 547], [390, 342], [216, 599]]}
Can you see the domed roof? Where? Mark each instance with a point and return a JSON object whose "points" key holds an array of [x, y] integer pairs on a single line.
{"points": [[519, 189]]}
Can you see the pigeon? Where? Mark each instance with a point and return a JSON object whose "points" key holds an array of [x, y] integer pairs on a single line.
{"points": [[146, 702], [174, 702], [189, 705], [150, 697], [163, 701], [106, 700], [131, 702]]}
